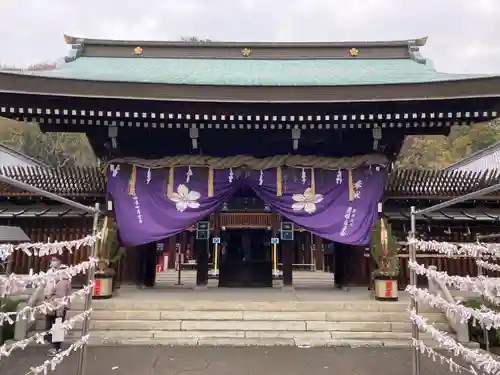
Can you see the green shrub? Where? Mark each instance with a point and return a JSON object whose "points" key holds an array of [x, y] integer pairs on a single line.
{"points": [[476, 332]]}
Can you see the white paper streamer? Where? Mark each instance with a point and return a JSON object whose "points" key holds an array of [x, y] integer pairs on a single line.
{"points": [[231, 175], [42, 249], [486, 317], [30, 312], [14, 284], [338, 180], [114, 169], [303, 176], [486, 286], [189, 174], [435, 356], [479, 360], [261, 178], [148, 176], [51, 364], [476, 250], [488, 266], [39, 338]]}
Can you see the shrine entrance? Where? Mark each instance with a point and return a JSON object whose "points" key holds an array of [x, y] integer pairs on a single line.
{"points": [[246, 258]]}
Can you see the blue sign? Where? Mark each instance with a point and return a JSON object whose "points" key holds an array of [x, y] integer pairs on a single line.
{"points": [[216, 240], [275, 241]]}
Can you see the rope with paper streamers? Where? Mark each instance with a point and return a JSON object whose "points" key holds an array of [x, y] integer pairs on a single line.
{"points": [[485, 317], [435, 356], [39, 338], [14, 284], [30, 312], [488, 288], [474, 250], [481, 361], [42, 249], [51, 364]]}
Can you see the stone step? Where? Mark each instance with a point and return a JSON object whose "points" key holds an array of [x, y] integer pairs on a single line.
{"points": [[102, 334], [248, 342], [277, 306], [235, 339], [148, 327], [337, 316]]}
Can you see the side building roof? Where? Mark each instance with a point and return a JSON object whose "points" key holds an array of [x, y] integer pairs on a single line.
{"points": [[22, 157], [484, 160]]}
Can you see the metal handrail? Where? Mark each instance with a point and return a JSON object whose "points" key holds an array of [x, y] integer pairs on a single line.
{"points": [[439, 288]]}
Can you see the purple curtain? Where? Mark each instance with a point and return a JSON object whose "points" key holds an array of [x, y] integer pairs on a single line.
{"points": [[153, 204], [150, 213], [335, 205]]}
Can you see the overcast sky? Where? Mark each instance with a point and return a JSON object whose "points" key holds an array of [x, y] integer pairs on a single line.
{"points": [[464, 35]]}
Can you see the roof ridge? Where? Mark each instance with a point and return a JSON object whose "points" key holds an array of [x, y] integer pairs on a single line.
{"points": [[418, 42]]}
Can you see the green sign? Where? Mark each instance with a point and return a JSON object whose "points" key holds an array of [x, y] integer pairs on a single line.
{"points": [[286, 231], [202, 229]]}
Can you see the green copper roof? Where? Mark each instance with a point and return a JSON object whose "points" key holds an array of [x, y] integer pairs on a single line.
{"points": [[248, 72]]}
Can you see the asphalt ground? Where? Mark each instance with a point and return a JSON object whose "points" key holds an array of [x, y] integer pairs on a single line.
{"points": [[228, 361]]}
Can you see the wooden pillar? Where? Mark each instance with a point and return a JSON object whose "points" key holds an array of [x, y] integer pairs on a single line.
{"points": [[171, 251], [307, 248], [287, 252], [275, 224], [318, 252], [183, 241], [201, 262], [217, 224]]}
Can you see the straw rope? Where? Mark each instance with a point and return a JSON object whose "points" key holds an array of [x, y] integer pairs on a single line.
{"points": [[239, 161]]}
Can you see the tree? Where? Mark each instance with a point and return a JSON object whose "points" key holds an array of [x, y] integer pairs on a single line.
{"points": [[437, 152], [55, 149]]}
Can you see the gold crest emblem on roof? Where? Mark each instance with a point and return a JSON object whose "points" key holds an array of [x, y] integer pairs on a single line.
{"points": [[246, 52], [138, 51], [354, 52]]}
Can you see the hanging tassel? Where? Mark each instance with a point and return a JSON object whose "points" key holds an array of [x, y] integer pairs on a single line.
{"points": [[210, 182], [313, 183], [279, 185], [132, 181], [170, 185], [351, 185]]}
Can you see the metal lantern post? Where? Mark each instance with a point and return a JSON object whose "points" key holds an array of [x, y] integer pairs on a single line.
{"points": [[415, 333], [82, 354]]}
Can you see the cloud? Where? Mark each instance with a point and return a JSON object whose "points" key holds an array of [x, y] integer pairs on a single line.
{"points": [[463, 34]]}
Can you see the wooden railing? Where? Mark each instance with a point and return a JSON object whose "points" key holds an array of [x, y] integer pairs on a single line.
{"points": [[245, 220]]}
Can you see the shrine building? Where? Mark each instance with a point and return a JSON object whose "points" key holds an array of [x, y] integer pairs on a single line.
{"points": [[219, 150]]}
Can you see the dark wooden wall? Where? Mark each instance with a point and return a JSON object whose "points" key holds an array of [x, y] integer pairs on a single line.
{"points": [[359, 268], [53, 229]]}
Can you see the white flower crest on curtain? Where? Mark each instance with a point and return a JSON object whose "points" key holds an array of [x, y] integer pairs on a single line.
{"points": [[306, 201], [184, 198]]}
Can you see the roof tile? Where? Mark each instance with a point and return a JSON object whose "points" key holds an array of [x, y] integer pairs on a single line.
{"points": [[242, 72]]}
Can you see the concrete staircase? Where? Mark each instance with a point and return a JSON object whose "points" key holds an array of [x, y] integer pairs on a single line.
{"points": [[246, 323]]}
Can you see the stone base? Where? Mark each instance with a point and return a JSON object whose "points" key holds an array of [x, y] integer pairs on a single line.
{"points": [[201, 287]]}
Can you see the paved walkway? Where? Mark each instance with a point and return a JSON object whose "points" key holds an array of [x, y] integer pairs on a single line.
{"points": [[229, 361]]}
